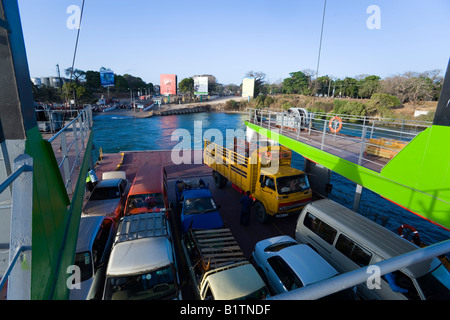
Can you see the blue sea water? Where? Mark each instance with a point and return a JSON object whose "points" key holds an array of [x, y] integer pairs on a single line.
{"points": [[115, 133]]}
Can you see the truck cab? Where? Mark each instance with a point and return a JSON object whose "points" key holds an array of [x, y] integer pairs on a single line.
{"points": [[279, 194]]}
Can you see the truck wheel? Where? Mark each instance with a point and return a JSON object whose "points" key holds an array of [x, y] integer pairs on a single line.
{"points": [[260, 212], [219, 180]]}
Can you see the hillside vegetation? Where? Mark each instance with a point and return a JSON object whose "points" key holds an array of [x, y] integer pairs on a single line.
{"points": [[380, 104]]}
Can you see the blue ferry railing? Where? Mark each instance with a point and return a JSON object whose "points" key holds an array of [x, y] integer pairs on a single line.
{"points": [[364, 140], [71, 142], [19, 246]]}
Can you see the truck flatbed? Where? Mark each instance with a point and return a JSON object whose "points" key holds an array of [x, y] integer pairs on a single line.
{"points": [[216, 247]]}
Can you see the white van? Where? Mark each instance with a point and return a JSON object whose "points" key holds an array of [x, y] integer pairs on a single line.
{"points": [[349, 241]]}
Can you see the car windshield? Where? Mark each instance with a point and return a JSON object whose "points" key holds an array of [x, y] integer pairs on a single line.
{"points": [[105, 193], [292, 184], [147, 202], [436, 285], [84, 261], [159, 284], [199, 205]]}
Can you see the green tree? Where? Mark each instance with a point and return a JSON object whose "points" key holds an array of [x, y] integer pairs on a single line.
{"points": [[381, 102], [120, 83], [187, 86], [74, 91], [350, 87], [297, 83], [77, 74], [92, 80], [368, 86], [349, 107]]}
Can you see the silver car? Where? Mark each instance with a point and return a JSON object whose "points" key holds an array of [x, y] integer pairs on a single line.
{"points": [[288, 265], [95, 238], [108, 199]]}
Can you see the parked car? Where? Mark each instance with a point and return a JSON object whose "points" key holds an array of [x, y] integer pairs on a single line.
{"points": [[109, 196], [95, 238], [287, 265]]}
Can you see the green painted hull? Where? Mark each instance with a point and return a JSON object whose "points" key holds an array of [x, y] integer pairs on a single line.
{"points": [[55, 219]]}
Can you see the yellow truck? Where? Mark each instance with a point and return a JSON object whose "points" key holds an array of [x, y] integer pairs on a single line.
{"points": [[277, 188]]}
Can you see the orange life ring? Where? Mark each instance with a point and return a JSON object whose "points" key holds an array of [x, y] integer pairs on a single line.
{"points": [[330, 124], [407, 226]]}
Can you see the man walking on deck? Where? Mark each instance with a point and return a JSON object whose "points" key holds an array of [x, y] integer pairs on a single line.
{"points": [[246, 204]]}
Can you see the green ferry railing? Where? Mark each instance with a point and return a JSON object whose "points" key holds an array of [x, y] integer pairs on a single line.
{"points": [[71, 142], [358, 138]]}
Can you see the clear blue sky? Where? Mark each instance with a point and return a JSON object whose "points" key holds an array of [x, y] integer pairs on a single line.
{"points": [[227, 39]]}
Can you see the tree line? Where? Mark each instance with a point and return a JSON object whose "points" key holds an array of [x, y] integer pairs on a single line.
{"points": [[84, 85], [407, 87]]}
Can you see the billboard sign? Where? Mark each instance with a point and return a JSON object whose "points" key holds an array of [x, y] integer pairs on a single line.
{"points": [[168, 84], [201, 86], [106, 78], [248, 87]]}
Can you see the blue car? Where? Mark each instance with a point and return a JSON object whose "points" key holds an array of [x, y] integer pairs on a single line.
{"points": [[198, 209]]}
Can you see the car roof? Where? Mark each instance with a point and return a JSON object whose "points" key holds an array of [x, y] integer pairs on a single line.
{"points": [[309, 266], [138, 256], [109, 183], [148, 179], [235, 282], [196, 193], [282, 171], [89, 225]]}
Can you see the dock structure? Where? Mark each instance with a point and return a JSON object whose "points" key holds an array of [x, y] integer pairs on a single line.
{"points": [[194, 109]]}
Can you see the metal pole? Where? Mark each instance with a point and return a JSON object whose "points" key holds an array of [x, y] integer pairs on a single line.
{"points": [[353, 278], [323, 135], [363, 145]]}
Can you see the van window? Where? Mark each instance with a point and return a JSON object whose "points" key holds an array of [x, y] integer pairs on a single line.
{"points": [[320, 228], [354, 252]]}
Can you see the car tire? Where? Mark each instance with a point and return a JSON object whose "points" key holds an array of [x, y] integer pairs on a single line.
{"points": [[219, 180], [260, 212]]}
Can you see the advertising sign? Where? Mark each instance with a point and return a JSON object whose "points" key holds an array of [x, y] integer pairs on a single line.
{"points": [[248, 87], [201, 86], [168, 84], [107, 78]]}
